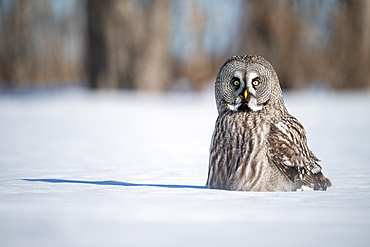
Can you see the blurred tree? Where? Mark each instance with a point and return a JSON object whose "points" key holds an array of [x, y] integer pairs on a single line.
{"points": [[97, 55], [198, 63], [278, 31], [349, 50], [16, 47], [154, 66], [273, 31], [33, 44], [128, 44]]}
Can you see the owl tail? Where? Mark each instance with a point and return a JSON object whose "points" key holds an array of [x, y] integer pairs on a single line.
{"points": [[328, 182]]}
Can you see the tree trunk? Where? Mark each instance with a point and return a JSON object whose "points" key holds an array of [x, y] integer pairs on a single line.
{"points": [[128, 44]]}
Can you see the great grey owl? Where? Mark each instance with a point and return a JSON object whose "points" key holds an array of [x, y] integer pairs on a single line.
{"points": [[257, 145]]}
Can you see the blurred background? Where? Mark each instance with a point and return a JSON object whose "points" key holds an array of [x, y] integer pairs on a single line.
{"points": [[166, 45]]}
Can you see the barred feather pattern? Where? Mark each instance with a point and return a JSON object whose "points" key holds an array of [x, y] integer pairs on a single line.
{"points": [[250, 153], [263, 150], [238, 155], [289, 151]]}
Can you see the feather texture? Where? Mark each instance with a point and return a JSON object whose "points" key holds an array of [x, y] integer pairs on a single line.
{"points": [[258, 150]]}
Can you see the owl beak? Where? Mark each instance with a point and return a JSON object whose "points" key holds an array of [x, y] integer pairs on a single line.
{"points": [[245, 94]]}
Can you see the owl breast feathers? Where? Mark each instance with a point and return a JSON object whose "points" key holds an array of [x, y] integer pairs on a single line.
{"points": [[257, 145]]}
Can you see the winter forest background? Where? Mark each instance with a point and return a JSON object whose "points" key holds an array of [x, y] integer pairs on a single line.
{"points": [[180, 44]]}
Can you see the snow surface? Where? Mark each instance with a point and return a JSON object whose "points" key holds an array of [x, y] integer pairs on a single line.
{"points": [[80, 168]]}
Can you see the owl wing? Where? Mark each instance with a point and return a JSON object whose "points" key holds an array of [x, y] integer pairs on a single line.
{"points": [[289, 151]]}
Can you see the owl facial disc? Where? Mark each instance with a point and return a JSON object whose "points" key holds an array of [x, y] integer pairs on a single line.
{"points": [[252, 103], [248, 94], [237, 87], [245, 83]]}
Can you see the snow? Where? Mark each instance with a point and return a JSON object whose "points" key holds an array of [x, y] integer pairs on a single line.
{"points": [[81, 168]]}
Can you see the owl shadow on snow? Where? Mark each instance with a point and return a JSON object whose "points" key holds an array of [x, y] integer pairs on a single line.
{"points": [[117, 183]]}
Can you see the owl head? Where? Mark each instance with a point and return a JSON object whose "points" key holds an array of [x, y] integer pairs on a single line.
{"points": [[246, 83]]}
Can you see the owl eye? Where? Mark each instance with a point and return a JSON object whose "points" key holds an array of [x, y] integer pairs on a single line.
{"points": [[256, 82], [235, 82]]}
